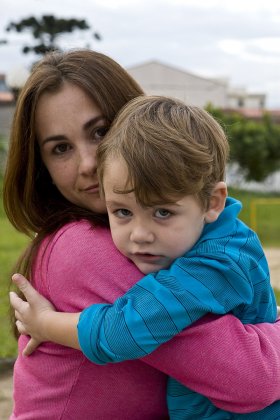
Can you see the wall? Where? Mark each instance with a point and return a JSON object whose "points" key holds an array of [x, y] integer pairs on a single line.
{"points": [[159, 79], [6, 116]]}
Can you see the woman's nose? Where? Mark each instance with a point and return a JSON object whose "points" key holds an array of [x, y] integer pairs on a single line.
{"points": [[87, 162]]}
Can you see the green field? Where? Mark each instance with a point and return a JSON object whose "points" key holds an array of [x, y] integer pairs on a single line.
{"points": [[268, 220], [12, 243]]}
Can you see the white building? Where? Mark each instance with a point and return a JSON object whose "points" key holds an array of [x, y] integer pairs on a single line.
{"points": [[162, 79], [240, 98]]}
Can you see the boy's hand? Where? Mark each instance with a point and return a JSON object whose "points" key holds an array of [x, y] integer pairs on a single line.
{"points": [[30, 315]]}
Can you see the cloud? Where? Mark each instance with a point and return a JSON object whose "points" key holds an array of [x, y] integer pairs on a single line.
{"points": [[238, 40]]}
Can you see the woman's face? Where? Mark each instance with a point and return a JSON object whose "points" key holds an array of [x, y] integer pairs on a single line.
{"points": [[69, 126]]}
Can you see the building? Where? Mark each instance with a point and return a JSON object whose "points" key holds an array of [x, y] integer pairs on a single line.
{"points": [[158, 78], [241, 99], [7, 106], [6, 96]]}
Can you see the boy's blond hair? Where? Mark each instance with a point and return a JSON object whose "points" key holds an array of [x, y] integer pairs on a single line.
{"points": [[171, 150]]}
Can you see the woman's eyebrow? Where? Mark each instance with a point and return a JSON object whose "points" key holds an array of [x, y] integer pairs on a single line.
{"points": [[93, 121], [90, 123], [58, 137]]}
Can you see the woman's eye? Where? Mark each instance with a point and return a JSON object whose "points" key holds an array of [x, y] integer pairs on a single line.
{"points": [[122, 213], [162, 213], [61, 148], [99, 133]]}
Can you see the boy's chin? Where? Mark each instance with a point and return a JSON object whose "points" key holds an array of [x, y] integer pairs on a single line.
{"points": [[148, 268]]}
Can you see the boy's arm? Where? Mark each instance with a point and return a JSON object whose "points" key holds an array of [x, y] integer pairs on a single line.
{"points": [[160, 306], [202, 357]]}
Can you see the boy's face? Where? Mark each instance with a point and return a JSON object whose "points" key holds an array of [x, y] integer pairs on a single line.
{"points": [[151, 237]]}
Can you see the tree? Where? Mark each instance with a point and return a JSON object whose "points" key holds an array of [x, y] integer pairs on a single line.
{"points": [[46, 31], [254, 145]]}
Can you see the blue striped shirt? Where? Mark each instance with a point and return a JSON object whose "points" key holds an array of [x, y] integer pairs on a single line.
{"points": [[225, 272]]}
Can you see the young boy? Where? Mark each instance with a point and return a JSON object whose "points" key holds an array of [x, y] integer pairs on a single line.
{"points": [[162, 170]]}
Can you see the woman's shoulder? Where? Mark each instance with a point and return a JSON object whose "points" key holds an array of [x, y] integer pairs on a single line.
{"points": [[77, 233], [74, 243], [81, 228], [71, 245], [82, 257]]}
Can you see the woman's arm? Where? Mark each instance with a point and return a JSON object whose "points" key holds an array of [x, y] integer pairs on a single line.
{"points": [[221, 354], [236, 366], [37, 317]]}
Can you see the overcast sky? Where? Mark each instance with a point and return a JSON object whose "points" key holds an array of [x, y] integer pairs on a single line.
{"points": [[234, 39]]}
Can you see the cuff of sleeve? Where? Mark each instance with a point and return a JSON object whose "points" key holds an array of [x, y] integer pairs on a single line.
{"points": [[86, 336]]}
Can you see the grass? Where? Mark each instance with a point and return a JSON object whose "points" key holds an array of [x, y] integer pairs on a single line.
{"points": [[12, 243], [277, 295], [268, 221]]}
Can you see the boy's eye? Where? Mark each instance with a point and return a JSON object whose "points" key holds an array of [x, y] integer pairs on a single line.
{"points": [[61, 148], [122, 213], [162, 213]]}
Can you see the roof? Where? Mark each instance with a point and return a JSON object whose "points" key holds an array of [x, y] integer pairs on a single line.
{"points": [[256, 114], [6, 97], [220, 81]]}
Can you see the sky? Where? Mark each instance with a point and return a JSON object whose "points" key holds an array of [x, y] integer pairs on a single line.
{"points": [[238, 40]]}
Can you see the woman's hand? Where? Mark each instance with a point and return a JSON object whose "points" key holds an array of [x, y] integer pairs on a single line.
{"points": [[30, 315]]}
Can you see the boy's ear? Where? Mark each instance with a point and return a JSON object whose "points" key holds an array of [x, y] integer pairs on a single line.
{"points": [[217, 202]]}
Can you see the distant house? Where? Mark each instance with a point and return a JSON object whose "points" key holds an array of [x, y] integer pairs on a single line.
{"points": [[162, 79], [6, 108], [6, 95], [240, 98]]}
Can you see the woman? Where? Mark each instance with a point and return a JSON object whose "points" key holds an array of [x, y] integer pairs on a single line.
{"points": [[51, 189]]}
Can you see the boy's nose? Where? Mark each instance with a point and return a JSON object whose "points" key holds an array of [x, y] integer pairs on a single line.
{"points": [[141, 234]]}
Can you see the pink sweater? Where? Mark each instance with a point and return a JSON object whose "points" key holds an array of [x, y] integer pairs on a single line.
{"points": [[236, 366]]}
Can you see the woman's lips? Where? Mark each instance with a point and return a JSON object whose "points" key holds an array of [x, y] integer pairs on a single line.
{"points": [[93, 189]]}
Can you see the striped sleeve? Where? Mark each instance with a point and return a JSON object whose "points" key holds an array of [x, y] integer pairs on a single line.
{"points": [[160, 306]]}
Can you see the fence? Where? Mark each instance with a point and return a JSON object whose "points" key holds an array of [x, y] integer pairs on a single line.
{"points": [[254, 204]]}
